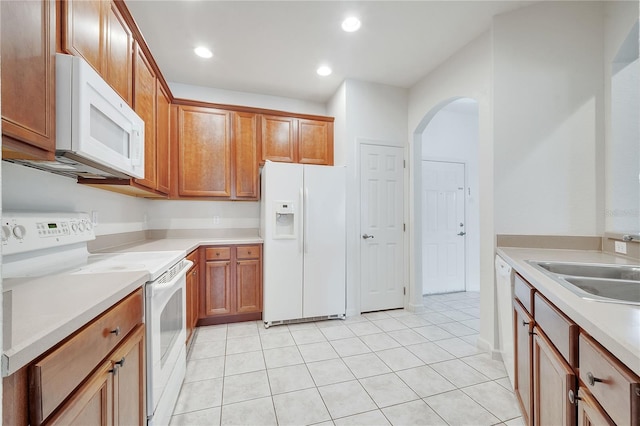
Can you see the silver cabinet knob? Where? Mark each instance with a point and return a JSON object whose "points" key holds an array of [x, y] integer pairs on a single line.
{"points": [[367, 236]]}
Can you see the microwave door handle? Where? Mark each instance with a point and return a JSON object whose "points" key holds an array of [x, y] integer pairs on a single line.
{"points": [[137, 147]]}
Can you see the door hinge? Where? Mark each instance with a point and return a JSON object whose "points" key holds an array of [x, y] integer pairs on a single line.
{"points": [[404, 164], [404, 291], [404, 227]]}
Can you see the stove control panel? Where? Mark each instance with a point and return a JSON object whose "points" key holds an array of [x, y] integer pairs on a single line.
{"points": [[25, 232]]}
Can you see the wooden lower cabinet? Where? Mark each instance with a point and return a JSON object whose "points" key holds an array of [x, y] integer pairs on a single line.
{"points": [[218, 288], [92, 404], [129, 389], [589, 411], [114, 394], [232, 287], [523, 382], [553, 379], [193, 285], [562, 375]]}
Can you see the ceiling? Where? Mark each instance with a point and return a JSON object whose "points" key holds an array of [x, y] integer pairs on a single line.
{"points": [[275, 47]]}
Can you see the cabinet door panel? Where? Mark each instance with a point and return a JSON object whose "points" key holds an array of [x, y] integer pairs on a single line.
{"points": [[91, 404], [248, 286], [590, 413], [315, 142], [129, 380], [553, 378], [145, 106], [246, 155], [278, 141], [162, 139], [523, 324], [218, 294], [118, 65], [28, 72], [204, 154], [84, 35]]}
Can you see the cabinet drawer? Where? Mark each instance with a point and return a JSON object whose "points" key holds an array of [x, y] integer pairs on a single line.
{"points": [[248, 252], [524, 292], [615, 387], [56, 375], [218, 253], [562, 332]]}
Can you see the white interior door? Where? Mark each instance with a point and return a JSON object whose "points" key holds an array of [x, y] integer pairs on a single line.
{"points": [[443, 230], [381, 225]]}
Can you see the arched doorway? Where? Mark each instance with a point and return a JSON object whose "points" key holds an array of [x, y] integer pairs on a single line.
{"points": [[447, 214]]}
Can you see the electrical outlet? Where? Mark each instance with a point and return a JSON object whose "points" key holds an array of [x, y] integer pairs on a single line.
{"points": [[216, 220], [94, 218], [620, 247]]}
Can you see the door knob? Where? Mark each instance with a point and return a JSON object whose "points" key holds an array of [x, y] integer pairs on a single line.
{"points": [[367, 236], [462, 233]]}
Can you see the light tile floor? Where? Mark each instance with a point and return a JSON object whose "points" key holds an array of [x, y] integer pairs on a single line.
{"points": [[392, 367]]}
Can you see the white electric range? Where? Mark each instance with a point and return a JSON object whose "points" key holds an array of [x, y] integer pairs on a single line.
{"points": [[41, 246]]}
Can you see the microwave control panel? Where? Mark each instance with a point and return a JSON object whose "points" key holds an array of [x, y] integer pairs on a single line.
{"points": [[25, 232]]}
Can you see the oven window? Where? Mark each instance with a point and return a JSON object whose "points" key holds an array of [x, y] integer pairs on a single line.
{"points": [[170, 324]]}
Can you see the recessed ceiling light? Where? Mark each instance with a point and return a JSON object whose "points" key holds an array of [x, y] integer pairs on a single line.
{"points": [[351, 24], [203, 52], [324, 71]]}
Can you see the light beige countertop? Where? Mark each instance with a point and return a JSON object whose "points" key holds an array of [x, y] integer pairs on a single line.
{"points": [[615, 326], [42, 311], [39, 312]]}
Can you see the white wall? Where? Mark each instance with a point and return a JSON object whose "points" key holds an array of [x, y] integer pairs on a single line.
{"points": [[452, 135], [373, 113], [549, 119], [467, 74], [165, 214], [230, 97], [622, 127], [24, 188]]}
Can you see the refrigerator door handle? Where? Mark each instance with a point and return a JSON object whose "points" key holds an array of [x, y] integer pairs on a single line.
{"points": [[301, 222], [305, 219]]}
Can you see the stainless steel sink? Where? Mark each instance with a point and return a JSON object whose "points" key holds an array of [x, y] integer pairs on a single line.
{"points": [[617, 272], [593, 281]]}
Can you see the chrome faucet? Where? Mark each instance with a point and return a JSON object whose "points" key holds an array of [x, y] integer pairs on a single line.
{"points": [[631, 237]]}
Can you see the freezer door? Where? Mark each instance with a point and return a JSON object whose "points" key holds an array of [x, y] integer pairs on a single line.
{"points": [[324, 291], [283, 248]]}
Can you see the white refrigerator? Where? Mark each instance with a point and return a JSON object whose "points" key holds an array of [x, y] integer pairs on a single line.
{"points": [[303, 214]]}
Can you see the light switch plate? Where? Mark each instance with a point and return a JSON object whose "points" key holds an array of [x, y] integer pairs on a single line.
{"points": [[620, 247]]}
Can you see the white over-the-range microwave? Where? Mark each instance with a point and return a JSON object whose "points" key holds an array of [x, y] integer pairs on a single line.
{"points": [[98, 135]]}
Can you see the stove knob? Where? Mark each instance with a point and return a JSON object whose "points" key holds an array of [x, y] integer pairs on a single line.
{"points": [[19, 231], [81, 227], [74, 227], [89, 226], [6, 233]]}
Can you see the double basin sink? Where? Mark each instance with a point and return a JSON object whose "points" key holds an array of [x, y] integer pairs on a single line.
{"points": [[593, 281]]}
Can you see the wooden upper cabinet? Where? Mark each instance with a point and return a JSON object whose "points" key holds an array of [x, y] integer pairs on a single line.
{"points": [[163, 123], [118, 67], [84, 30], [246, 175], [296, 140], [144, 104], [278, 138], [28, 78], [204, 152], [315, 142], [97, 31]]}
